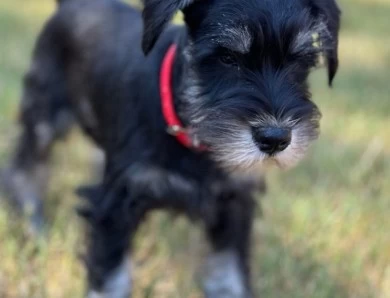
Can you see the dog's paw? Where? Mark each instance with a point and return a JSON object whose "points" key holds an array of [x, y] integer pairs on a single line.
{"points": [[23, 197]]}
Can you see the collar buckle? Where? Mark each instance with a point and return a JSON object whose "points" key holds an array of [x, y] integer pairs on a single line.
{"points": [[174, 130]]}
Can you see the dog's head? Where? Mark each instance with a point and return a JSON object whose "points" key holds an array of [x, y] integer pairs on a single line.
{"points": [[247, 96]]}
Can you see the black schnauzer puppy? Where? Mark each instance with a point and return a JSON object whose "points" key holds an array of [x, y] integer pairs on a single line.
{"points": [[185, 115]]}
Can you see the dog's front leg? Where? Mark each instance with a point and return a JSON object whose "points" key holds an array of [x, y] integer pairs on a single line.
{"points": [[111, 227], [117, 284], [109, 268], [228, 215], [117, 208], [227, 270]]}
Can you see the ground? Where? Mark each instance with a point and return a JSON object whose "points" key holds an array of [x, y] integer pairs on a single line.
{"points": [[325, 227]]}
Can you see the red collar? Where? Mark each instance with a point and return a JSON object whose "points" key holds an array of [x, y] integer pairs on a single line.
{"points": [[174, 125]]}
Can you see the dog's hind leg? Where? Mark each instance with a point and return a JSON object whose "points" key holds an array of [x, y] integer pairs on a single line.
{"points": [[44, 117], [227, 272]]}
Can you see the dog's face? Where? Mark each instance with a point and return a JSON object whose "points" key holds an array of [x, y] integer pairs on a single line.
{"points": [[247, 96]]}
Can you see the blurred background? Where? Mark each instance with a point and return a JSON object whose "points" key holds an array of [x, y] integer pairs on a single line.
{"points": [[325, 228]]}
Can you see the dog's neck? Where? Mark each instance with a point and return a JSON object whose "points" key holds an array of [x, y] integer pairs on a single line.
{"points": [[172, 83]]}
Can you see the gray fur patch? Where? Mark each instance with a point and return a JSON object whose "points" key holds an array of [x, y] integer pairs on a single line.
{"points": [[223, 277], [237, 38], [117, 285], [26, 188], [44, 134], [313, 38]]}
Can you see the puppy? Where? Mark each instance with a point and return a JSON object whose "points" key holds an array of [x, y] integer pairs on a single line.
{"points": [[185, 115]]}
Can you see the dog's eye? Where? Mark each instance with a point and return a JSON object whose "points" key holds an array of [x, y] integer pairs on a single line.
{"points": [[228, 60]]}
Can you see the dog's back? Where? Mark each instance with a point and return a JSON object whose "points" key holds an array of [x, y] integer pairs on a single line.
{"points": [[94, 49], [94, 45], [87, 67]]}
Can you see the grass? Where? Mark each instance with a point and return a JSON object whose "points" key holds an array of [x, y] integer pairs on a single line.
{"points": [[325, 228]]}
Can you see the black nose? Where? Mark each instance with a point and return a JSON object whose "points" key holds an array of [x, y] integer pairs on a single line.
{"points": [[272, 140]]}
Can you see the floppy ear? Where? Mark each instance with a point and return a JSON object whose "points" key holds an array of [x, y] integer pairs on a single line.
{"points": [[156, 15], [329, 11]]}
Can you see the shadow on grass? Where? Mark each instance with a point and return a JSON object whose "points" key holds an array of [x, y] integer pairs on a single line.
{"points": [[292, 272]]}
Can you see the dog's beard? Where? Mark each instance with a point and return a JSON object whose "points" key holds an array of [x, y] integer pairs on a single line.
{"points": [[233, 148]]}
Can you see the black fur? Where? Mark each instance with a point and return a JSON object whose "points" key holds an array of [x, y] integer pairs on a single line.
{"points": [[241, 67]]}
